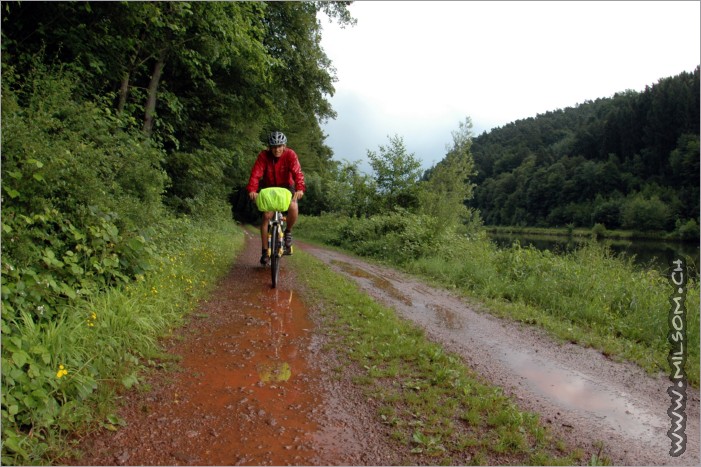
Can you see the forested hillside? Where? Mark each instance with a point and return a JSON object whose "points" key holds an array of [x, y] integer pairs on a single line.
{"points": [[630, 161]]}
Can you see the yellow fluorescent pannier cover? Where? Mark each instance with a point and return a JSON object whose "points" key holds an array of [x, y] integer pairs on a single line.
{"points": [[274, 199]]}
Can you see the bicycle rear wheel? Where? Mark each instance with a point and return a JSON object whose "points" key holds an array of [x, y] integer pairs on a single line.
{"points": [[275, 255]]}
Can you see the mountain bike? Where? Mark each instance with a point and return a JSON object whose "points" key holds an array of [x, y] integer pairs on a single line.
{"points": [[278, 201], [276, 247]]}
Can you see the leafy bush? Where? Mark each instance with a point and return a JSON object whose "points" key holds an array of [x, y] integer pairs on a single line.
{"points": [[688, 230], [645, 214], [399, 236], [81, 197], [599, 230], [79, 189]]}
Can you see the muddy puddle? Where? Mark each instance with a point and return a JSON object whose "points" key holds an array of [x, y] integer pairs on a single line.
{"points": [[585, 397], [244, 391]]}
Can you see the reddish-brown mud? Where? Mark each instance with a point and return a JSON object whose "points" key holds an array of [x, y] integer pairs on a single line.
{"points": [[254, 386], [251, 388]]}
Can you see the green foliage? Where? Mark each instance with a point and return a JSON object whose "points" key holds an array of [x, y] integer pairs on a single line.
{"points": [[57, 373], [399, 236], [577, 165], [65, 153], [351, 192], [599, 230], [588, 295], [79, 192], [448, 187], [397, 174], [644, 213], [688, 230]]}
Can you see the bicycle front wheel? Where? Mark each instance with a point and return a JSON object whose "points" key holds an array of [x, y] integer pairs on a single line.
{"points": [[275, 255]]}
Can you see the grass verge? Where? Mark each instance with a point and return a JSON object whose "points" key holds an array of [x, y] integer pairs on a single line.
{"points": [[64, 376], [430, 402], [585, 233], [588, 296]]}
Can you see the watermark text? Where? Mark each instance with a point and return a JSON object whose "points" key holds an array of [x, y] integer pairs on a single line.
{"points": [[677, 357]]}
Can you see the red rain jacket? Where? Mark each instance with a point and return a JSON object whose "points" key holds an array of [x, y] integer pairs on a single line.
{"points": [[284, 171]]}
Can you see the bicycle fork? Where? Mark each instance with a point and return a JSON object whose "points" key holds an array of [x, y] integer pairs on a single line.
{"points": [[279, 247]]}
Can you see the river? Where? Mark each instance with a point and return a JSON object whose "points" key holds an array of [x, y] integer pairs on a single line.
{"points": [[653, 254]]}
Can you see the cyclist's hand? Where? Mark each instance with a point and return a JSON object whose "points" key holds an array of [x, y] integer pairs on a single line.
{"points": [[253, 195], [297, 195]]}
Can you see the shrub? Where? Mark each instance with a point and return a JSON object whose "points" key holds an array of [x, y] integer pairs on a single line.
{"points": [[688, 230], [645, 214], [80, 190], [599, 230]]}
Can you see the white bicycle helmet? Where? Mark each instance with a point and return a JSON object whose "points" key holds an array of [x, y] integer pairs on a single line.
{"points": [[277, 138]]}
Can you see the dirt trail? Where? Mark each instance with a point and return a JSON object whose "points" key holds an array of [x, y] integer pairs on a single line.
{"points": [[584, 397], [252, 388]]}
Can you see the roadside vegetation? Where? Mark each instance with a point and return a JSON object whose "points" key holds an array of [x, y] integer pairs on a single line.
{"points": [[65, 372], [128, 132], [429, 401], [588, 296]]}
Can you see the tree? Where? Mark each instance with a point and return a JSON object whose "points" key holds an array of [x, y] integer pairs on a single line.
{"points": [[397, 175], [643, 213], [449, 184]]}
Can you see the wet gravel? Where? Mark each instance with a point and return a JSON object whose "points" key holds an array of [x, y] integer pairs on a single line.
{"points": [[587, 399]]}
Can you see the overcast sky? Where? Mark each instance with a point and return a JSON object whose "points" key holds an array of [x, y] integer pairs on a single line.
{"points": [[418, 68]]}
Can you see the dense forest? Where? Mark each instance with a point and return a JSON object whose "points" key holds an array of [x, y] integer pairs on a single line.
{"points": [[120, 115], [630, 161]]}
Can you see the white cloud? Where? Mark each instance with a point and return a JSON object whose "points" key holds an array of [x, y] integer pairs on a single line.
{"points": [[418, 68]]}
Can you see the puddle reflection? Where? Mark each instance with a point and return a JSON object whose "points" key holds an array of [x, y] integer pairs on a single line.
{"points": [[575, 391]]}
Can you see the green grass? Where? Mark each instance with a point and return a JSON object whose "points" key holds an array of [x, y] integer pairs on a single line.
{"points": [[431, 403], [64, 375], [588, 296], [581, 232], [557, 231]]}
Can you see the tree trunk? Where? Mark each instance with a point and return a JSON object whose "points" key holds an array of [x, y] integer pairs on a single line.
{"points": [[123, 92], [152, 92]]}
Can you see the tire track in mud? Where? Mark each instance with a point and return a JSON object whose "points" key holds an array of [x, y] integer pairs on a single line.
{"points": [[252, 387], [585, 398]]}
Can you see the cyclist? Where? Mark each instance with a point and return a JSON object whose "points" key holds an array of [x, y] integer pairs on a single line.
{"points": [[277, 166]]}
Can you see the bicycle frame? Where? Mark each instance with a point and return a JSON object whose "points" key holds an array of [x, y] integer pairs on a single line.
{"points": [[276, 226]]}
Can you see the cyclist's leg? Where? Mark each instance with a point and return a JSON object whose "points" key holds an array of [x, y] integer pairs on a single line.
{"points": [[264, 232], [292, 211], [292, 214], [264, 228]]}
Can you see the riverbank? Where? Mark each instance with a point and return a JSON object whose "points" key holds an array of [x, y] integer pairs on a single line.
{"points": [[589, 295], [596, 232]]}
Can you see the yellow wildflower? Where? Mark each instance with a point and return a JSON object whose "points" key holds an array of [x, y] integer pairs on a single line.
{"points": [[61, 372]]}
